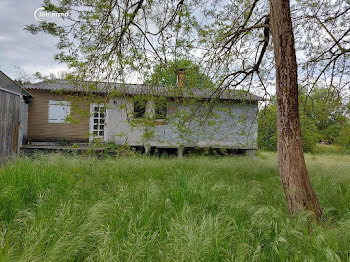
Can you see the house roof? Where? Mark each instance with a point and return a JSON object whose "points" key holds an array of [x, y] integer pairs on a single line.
{"points": [[138, 89], [8, 84]]}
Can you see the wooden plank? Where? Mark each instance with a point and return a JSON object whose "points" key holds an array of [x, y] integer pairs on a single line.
{"points": [[39, 128], [57, 147], [9, 123]]}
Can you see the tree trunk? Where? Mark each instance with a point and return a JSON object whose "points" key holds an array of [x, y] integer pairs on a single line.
{"points": [[295, 179]]}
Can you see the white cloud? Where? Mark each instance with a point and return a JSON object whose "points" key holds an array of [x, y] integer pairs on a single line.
{"points": [[19, 48]]}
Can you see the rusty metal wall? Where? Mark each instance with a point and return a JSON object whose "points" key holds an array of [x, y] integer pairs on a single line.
{"points": [[9, 123]]}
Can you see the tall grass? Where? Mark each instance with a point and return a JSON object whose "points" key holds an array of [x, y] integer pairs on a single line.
{"points": [[61, 208]]}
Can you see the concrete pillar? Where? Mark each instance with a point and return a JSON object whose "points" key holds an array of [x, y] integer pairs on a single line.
{"points": [[180, 151], [147, 150]]}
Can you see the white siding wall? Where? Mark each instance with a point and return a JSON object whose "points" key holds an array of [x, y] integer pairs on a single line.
{"points": [[236, 127]]}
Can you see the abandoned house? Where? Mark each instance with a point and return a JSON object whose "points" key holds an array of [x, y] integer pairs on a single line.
{"points": [[13, 116], [133, 115]]}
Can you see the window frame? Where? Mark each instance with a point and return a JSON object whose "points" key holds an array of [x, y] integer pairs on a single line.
{"points": [[165, 106], [93, 136], [143, 116]]}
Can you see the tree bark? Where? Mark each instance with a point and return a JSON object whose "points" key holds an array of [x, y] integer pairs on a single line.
{"points": [[295, 179]]}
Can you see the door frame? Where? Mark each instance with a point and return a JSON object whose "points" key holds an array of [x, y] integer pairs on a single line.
{"points": [[91, 125]]}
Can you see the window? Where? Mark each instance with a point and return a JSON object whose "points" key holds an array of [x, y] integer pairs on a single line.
{"points": [[161, 109], [58, 111], [139, 108]]}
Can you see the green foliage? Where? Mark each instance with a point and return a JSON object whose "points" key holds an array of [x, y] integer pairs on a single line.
{"points": [[308, 132], [267, 130], [63, 141], [22, 82], [64, 208], [326, 108], [166, 75], [112, 149], [321, 117], [344, 136], [330, 133], [329, 149]]}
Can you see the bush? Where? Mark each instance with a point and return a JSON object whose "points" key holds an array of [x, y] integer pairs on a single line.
{"points": [[309, 133], [267, 130], [329, 134], [344, 136], [119, 150]]}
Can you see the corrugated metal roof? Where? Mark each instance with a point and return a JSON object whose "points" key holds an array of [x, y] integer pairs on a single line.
{"points": [[8, 84], [115, 89]]}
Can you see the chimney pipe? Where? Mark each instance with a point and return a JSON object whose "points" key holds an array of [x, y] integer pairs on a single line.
{"points": [[181, 77]]}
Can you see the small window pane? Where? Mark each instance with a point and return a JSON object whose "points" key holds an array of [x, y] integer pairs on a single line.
{"points": [[101, 133], [95, 114], [102, 121], [102, 127], [102, 115]]}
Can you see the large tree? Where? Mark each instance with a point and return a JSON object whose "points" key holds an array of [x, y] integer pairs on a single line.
{"points": [[291, 162], [119, 39]]}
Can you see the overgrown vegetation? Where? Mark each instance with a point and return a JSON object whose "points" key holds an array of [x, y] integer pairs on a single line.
{"points": [[59, 208], [166, 75], [322, 116]]}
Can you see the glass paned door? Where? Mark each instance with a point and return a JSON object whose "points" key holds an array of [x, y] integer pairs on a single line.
{"points": [[97, 121]]}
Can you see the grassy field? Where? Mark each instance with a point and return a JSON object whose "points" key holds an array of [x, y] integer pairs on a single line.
{"points": [[64, 208]]}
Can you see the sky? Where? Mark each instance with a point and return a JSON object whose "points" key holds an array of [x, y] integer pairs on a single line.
{"points": [[20, 51], [19, 48]]}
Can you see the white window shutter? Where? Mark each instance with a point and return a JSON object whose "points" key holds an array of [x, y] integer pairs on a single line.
{"points": [[58, 111], [53, 112]]}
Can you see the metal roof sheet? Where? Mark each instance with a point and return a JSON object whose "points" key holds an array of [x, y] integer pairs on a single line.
{"points": [[115, 89], [8, 84]]}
